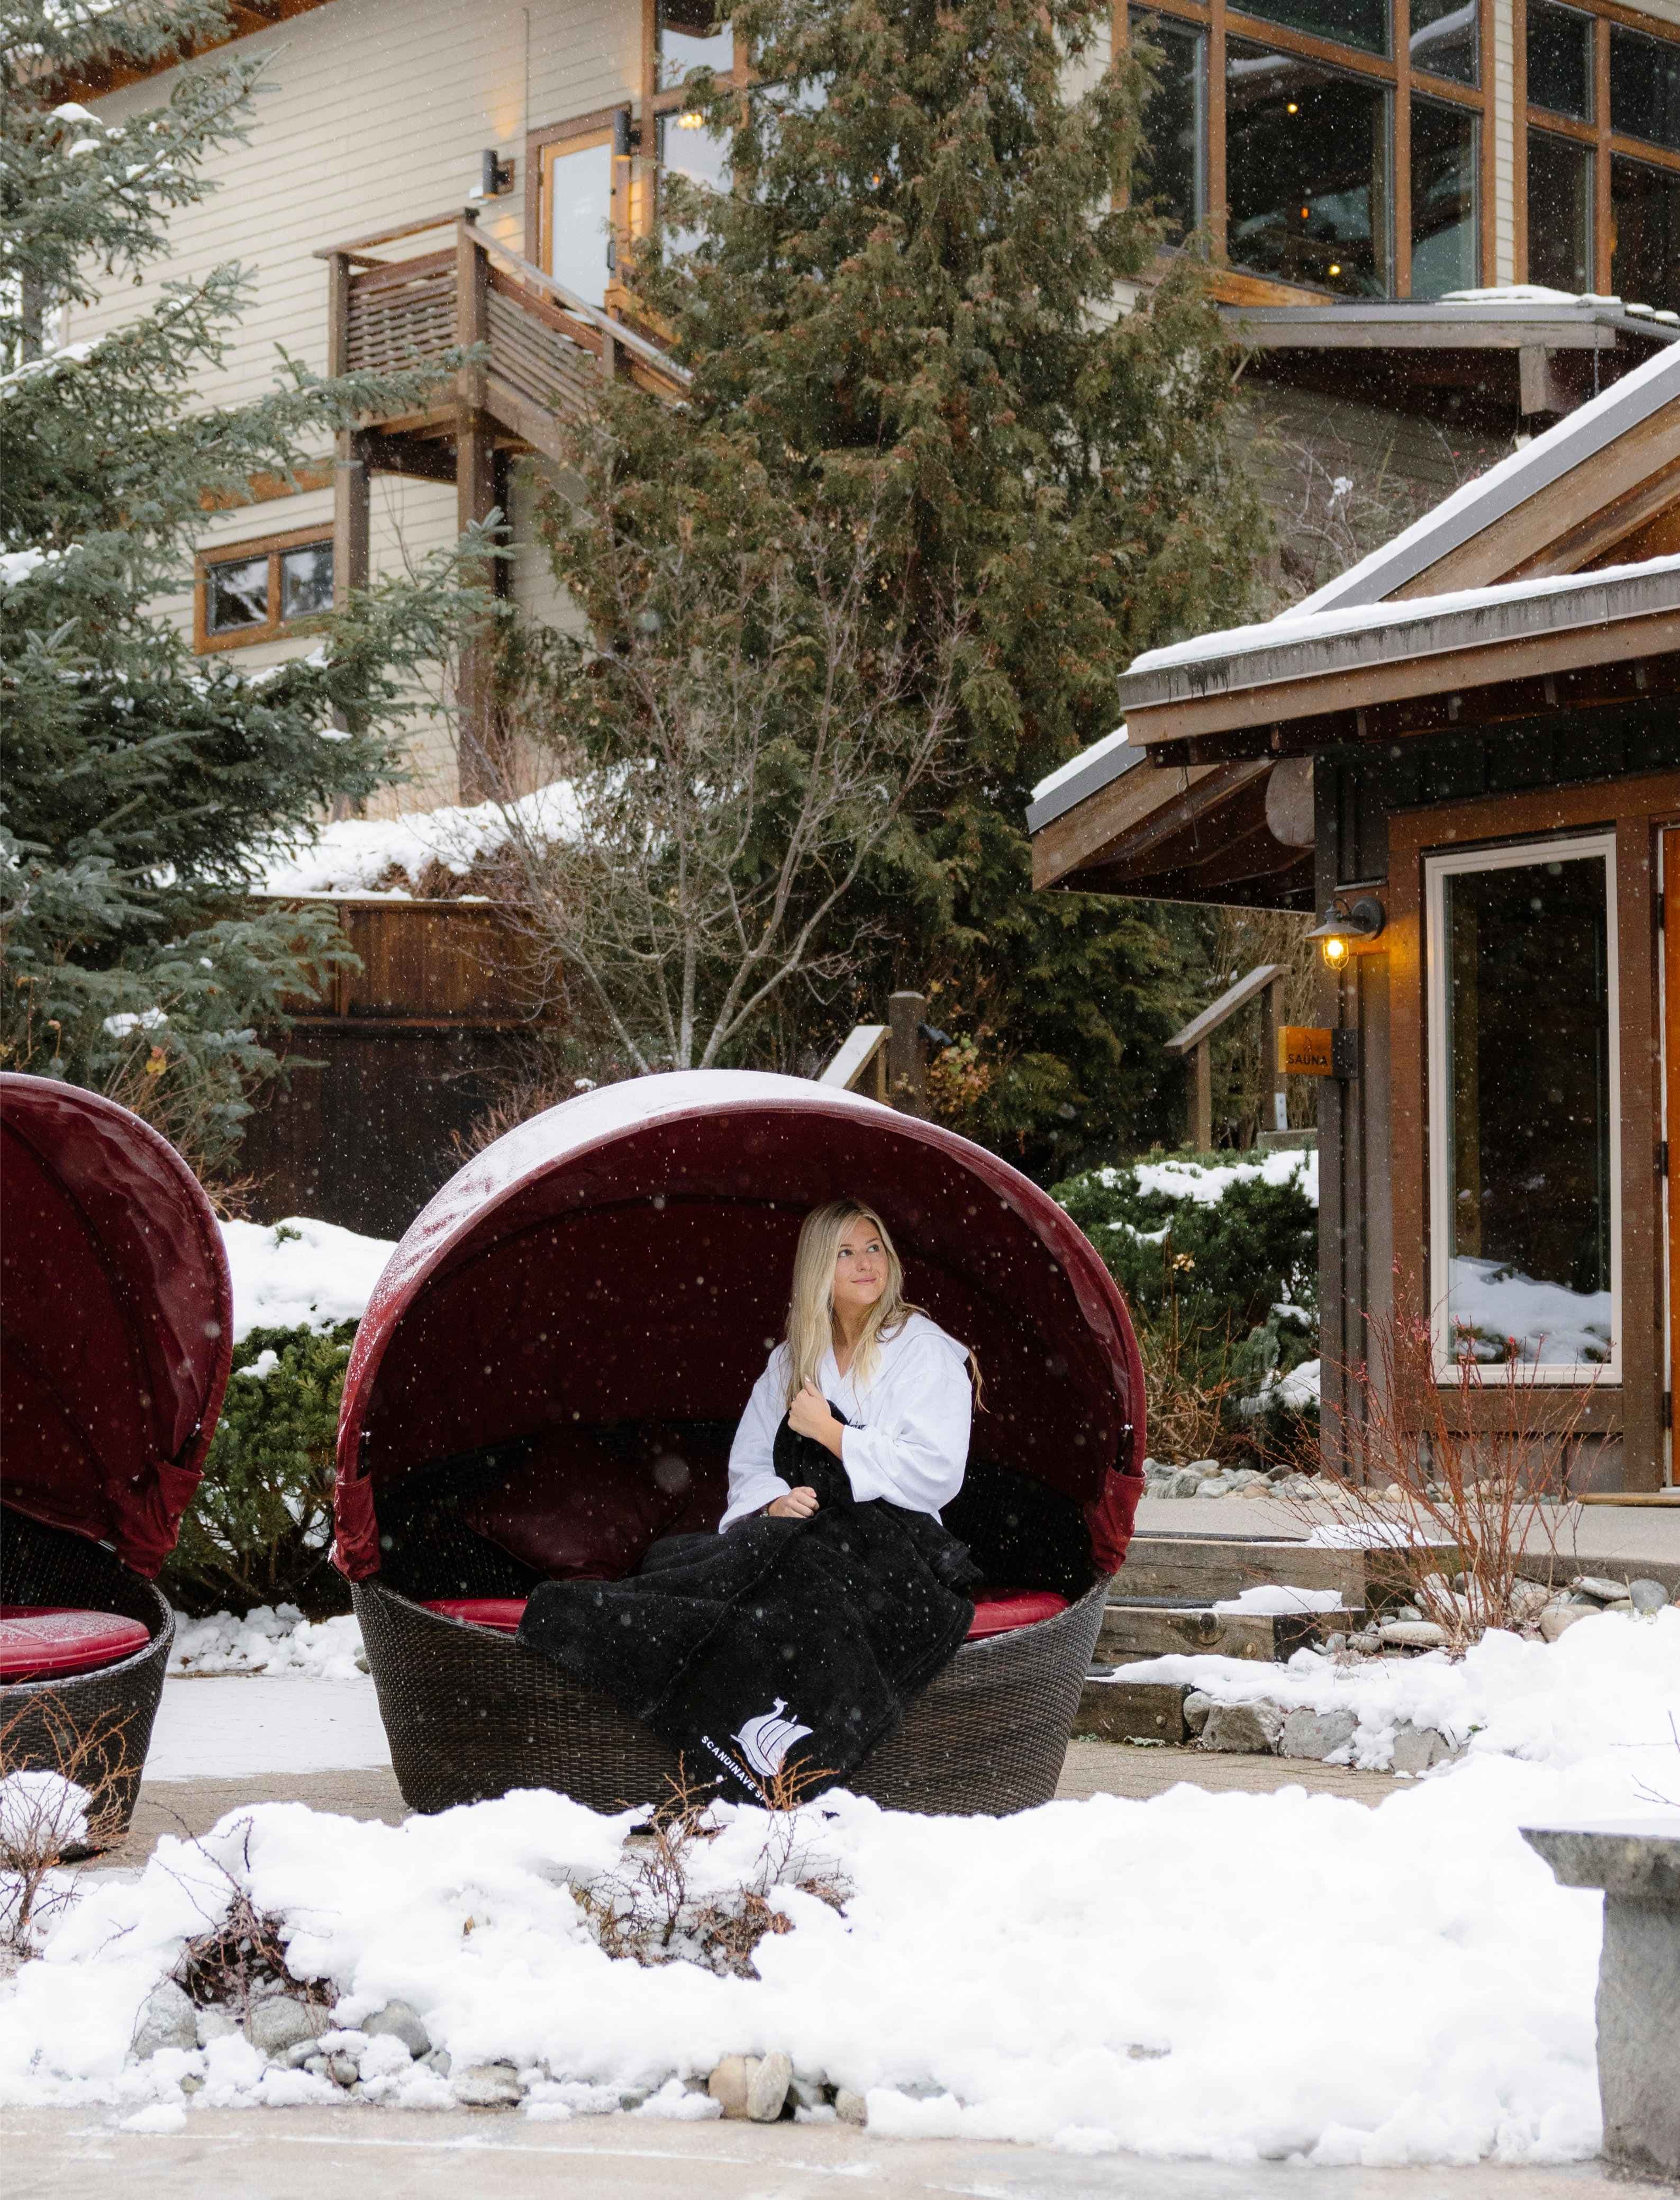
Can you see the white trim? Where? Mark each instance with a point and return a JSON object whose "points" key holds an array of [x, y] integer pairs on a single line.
{"points": [[1666, 1040], [1508, 856]]}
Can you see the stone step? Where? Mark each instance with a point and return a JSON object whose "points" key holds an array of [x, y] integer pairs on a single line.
{"points": [[1130, 1710], [1163, 1566], [1133, 1628]]}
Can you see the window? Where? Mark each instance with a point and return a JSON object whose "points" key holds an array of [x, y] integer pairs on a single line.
{"points": [[1560, 212], [1176, 124], [260, 590], [578, 212], [1307, 167], [1644, 87], [688, 148], [1445, 225], [1362, 23], [1559, 59], [690, 34], [1645, 232], [1446, 39], [1524, 1108]]}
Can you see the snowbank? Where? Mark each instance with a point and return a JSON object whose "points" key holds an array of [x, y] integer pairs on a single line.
{"points": [[1207, 1185], [273, 1639], [300, 1272], [389, 857], [1611, 1684]]}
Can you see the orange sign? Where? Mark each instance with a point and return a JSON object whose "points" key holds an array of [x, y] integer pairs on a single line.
{"points": [[1304, 1050]]}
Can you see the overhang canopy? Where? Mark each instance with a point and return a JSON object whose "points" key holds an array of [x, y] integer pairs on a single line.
{"points": [[627, 1256], [116, 1319]]}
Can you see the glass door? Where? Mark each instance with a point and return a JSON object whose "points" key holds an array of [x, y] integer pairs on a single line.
{"points": [[579, 214]]}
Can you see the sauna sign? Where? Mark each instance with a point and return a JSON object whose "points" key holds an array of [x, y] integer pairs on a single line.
{"points": [[1305, 1050]]}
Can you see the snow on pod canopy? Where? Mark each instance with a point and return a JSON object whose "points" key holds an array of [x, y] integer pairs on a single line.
{"points": [[116, 1319], [627, 1256]]}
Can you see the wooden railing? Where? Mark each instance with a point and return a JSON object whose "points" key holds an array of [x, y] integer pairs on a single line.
{"points": [[1266, 979]]}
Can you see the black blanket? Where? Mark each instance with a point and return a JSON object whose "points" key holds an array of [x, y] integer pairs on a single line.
{"points": [[792, 1644]]}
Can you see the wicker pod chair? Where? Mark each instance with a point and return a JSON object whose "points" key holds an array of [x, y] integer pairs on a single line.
{"points": [[601, 1285], [116, 1332]]}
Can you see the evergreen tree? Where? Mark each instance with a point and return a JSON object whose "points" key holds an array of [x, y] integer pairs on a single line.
{"points": [[137, 778], [906, 305]]}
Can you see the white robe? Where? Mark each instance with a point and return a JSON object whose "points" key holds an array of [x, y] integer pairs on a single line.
{"points": [[910, 1438]]}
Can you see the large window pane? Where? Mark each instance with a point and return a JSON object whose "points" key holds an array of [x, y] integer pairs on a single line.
{"points": [[1307, 172], [1645, 233], [1362, 23], [691, 36], [1559, 59], [688, 147], [1175, 120], [1444, 227], [1560, 212], [239, 594], [306, 580], [1446, 39], [1645, 86], [1528, 1217]]}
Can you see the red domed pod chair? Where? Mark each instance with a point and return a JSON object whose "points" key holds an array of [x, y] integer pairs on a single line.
{"points": [[116, 1332], [550, 1370]]}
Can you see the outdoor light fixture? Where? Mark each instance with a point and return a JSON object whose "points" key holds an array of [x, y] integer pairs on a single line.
{"points": [[691, 118], [495, 175], [1345, 924]]}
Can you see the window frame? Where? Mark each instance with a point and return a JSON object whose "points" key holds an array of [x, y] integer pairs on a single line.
{"points": [[1597, 845], [206, 643], [1217, 19], [1596, 134]]}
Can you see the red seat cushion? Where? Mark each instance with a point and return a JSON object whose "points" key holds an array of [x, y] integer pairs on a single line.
{"points": [[504, 1613], [41, 1641], [1001, 1611]]}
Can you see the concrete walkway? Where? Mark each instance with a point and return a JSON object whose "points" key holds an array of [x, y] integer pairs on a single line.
{"points": [[351, 2153]]}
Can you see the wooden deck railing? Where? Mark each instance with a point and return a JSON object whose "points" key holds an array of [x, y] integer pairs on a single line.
{"points": [[1266, 978]]}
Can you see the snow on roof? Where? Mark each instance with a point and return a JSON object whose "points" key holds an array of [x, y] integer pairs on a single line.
{"points": [[1577, 437], [1076, 764], [389, 857], [1301, 626]]}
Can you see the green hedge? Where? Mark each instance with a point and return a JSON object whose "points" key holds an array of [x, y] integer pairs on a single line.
{"points": [[260, 1528]]}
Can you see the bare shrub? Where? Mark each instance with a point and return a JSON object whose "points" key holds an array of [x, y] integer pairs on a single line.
{"points": [[646, 1909], [1188, 1388], [57, 1802], [242, 1958], [1479, 1462]]}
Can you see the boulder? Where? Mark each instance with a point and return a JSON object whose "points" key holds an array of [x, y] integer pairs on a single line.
{"points": [[1647, 1595], [1196, 1709], [1599, 1587], [440, 2060], [1316, 1734], [730, 2082], [1418, 1748], [1254, 1728], [488, 2085], [214, 2023], [283, 2020], [167, 2019], [1558, 1619], [767, 2089], [1413, 1635], [397, 2020], [851, 2108]]}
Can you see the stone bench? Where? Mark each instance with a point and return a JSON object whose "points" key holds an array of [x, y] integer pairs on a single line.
{"points": [[1636, 1862]]}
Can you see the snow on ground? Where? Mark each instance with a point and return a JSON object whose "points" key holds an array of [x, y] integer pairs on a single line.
{"points": [[388, 857], [248, 1727], [1207, 1185], [300, 1271], [273, 1639], [1275, 1598], [1611, 1684]]}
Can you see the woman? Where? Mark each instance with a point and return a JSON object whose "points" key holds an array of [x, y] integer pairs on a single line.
{"points": [[854, 1341]]}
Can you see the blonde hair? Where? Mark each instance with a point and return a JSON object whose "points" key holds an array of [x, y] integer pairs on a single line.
{"points": [[810, 1310]]}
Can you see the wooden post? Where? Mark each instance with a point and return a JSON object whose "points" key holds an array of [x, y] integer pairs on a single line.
{"points": [[475, 500], [1199, 1113], [907, 1053], [1270, 1023]]}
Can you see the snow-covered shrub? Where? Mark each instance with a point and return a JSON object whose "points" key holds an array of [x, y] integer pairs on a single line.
{"points": [[258, 1530]]}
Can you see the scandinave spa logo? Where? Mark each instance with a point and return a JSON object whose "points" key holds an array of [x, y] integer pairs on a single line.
{"points": [[764, 1741]]}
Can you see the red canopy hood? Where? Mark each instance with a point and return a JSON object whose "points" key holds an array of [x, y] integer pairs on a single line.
{"points": [[116, 1319], [628, 1256]]}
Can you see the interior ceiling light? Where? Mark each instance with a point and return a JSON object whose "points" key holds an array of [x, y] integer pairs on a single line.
{"points": [[690, 120]]}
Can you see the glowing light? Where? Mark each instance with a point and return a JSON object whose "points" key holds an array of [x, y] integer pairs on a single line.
{"points": [[1334, 267], [1294, 108], [1335, 952], [691, 121]]}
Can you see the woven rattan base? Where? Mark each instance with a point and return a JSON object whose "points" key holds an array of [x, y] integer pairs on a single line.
{"points": [[109, 1712], [470, 1714]]}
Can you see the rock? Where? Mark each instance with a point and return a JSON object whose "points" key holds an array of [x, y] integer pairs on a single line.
{"points": [[362, 1666], [767, 2089], [1558, 1619], [1216, 1485], [489, 2085], [1315, 1734], [1647, 1595], [440, 2060], [728, 2083], [339, 2068], [167, 2019], [1529, 1599], [851, 2108], [1416, 1748], [1249, 1727], [807, 2092], [1196, 1709], [398, 2021], [1412, 1634], [214, 2023], [1599, 1587], [1185, 1483], [631, 2097], [1335, 1644], [192, 2084], [282, 2021]]}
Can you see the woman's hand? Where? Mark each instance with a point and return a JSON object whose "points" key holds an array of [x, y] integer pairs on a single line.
{"points": [[797, 1504], [809, 1416]]}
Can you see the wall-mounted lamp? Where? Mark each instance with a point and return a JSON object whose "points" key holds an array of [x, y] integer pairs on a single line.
{"points": [[495, 177], [1346, 925]]}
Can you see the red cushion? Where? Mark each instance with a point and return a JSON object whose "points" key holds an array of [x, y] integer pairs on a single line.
{"points": [[504, 1613], [38, 1641], [1001, 1611]]}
